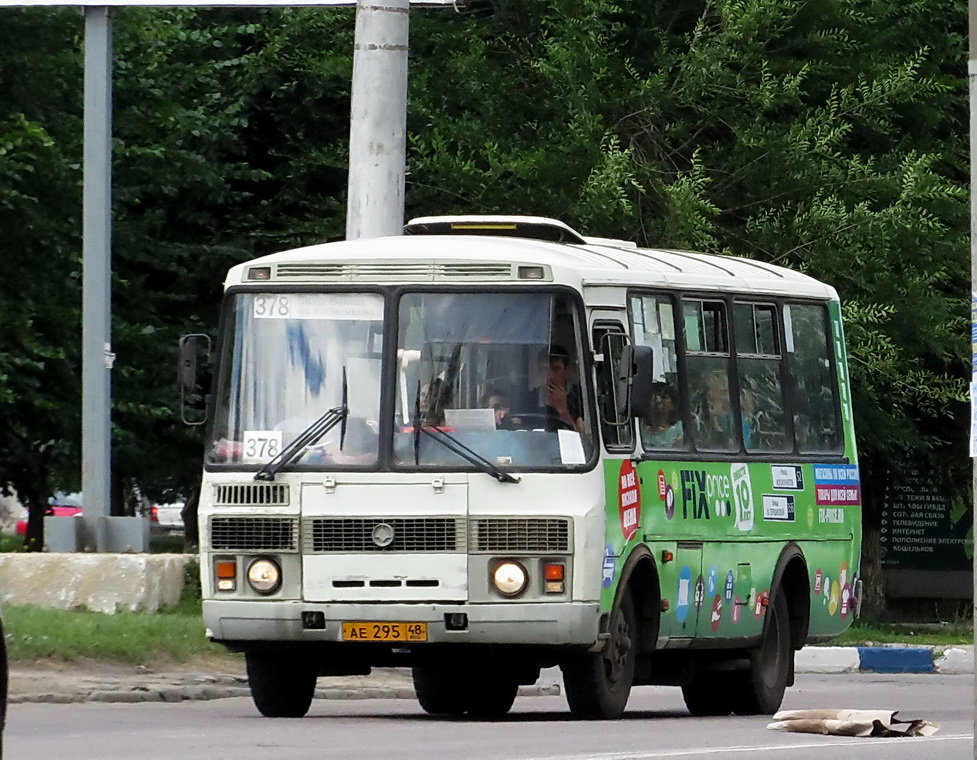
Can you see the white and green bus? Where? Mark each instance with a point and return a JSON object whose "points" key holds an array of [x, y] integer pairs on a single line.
{"points": [[493, 445]]}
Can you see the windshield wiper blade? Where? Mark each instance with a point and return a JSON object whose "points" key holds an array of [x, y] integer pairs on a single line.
{"points": [[307, 437], [454, 445]]}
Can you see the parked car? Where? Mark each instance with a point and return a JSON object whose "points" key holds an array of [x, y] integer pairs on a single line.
{"points": [[168, 517], [62, 505]]}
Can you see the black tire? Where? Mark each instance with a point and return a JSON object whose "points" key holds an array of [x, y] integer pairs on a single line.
{"points": [[598, 685], [282, 685], [709, 694], [440, 690], [491, 695], [761, 689]]}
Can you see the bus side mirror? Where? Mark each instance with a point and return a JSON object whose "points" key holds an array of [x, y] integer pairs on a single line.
{"points": [[187, 369], [642, 368], [188, 377]]}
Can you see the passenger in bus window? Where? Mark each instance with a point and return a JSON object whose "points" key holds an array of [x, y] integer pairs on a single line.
{"points": [[715, 422], [663, 428], [497, 400], [557, 402]]}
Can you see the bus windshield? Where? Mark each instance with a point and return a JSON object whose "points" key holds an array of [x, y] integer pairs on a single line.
{"points": [[283, 367], [497, 373]]}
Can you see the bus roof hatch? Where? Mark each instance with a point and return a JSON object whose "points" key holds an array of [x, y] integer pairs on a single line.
{"points": [[531, 227]]}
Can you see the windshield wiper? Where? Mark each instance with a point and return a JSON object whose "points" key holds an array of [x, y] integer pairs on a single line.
{"points": [[455, 446], [309, 436]]}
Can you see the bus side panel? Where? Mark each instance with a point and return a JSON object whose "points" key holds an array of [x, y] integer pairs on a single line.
{"points": [[717, 529]]}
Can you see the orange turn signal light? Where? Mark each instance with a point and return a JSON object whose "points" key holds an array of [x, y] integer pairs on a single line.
{"points": [[226, 569], [667, 556], [554, 572]]}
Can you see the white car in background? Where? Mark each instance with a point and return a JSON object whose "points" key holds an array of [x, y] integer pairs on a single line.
{"points": [[169, 517]]}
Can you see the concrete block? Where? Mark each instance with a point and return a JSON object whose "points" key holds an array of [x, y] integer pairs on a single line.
{"points": [[956, 660], [826, 660], [97, 582]]}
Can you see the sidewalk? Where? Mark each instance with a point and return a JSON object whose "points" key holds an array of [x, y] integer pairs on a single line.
{"points": [[224, 677]]}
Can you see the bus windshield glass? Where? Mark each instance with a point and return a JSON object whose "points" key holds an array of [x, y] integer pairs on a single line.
{"points": [[284, 368], [497, 373]]}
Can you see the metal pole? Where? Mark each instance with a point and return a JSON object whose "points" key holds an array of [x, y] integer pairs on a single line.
{"points": [[96, 272], [972, 82], [378, 120]]}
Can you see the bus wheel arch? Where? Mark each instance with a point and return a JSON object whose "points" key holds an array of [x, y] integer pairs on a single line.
{"points": [[791, 578], [771, 669], [640, 579], [598, 684]]}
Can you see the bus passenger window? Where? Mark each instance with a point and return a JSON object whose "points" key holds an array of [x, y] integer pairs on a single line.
{"points": [[653, 320], [816, 426], [716, 426], [758, 364]]}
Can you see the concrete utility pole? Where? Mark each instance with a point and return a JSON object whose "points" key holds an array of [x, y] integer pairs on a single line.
{"points": [[96, 424], [378, 120]]}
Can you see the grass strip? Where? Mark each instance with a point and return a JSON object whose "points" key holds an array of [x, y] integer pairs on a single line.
{"points": [[34, 633], [875, 633]]}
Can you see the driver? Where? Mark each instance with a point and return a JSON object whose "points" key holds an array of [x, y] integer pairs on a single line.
{"points": [[557, 399]]}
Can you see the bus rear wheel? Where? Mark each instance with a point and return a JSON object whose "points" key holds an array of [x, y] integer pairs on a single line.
{"points": [[762, 687], [598, 685], [282, 685], [709, 694], [440, 691]]}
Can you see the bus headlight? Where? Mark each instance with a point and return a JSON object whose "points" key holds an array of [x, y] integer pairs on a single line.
{"points": [[264, 576], [510, 578]]}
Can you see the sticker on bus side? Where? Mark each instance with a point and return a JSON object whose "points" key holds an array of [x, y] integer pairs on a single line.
{"points": [[787, 477], [836, 485], [739, 473], [629, 500], [778, 508]]}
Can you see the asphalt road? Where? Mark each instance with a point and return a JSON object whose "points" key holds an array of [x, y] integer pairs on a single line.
{"points": [[656, 725]]}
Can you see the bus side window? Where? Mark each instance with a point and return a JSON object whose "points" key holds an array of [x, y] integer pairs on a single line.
{"points": [[758, 363], [814, 385], [616, 427], [716, 424]]}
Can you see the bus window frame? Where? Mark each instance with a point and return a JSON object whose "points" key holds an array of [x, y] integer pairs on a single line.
{"points": [[677, 298], [585, 375], [225, 343], [606, 327]]}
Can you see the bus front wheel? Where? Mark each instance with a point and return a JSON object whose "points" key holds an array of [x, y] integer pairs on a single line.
{"points": [[598, 685], [440, 691], [491, 695], [282, 685]]}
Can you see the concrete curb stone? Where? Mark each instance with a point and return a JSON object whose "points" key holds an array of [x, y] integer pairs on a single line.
{"points": [[886, 659], [389, 684]]}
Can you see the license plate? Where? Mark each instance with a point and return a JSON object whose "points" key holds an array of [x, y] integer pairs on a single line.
{"points": [[371, 631]]}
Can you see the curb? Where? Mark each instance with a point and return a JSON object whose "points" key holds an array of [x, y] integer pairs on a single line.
{"points": [[200, 693], [887, 659]]}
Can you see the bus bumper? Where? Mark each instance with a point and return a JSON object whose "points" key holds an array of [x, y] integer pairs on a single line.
{"points": [[544, 624]]}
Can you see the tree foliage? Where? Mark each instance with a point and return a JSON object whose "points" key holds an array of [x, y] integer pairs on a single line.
{"points": [[828, 137]]}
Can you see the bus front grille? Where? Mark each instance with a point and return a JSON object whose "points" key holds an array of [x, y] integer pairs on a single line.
{"points": [[383, 534], [254, 533], [521, 534], [251, 495]]}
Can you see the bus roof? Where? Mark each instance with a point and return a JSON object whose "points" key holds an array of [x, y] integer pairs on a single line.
{"points": [[479, 251]]}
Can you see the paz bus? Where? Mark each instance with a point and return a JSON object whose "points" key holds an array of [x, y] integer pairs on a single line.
{"points": [[493, 445]]}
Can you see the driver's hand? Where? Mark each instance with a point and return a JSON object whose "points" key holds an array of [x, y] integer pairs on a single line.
{"points": [[556, 397]]}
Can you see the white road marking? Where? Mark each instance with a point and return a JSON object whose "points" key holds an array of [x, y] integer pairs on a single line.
{"points": [[706, 751]]}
